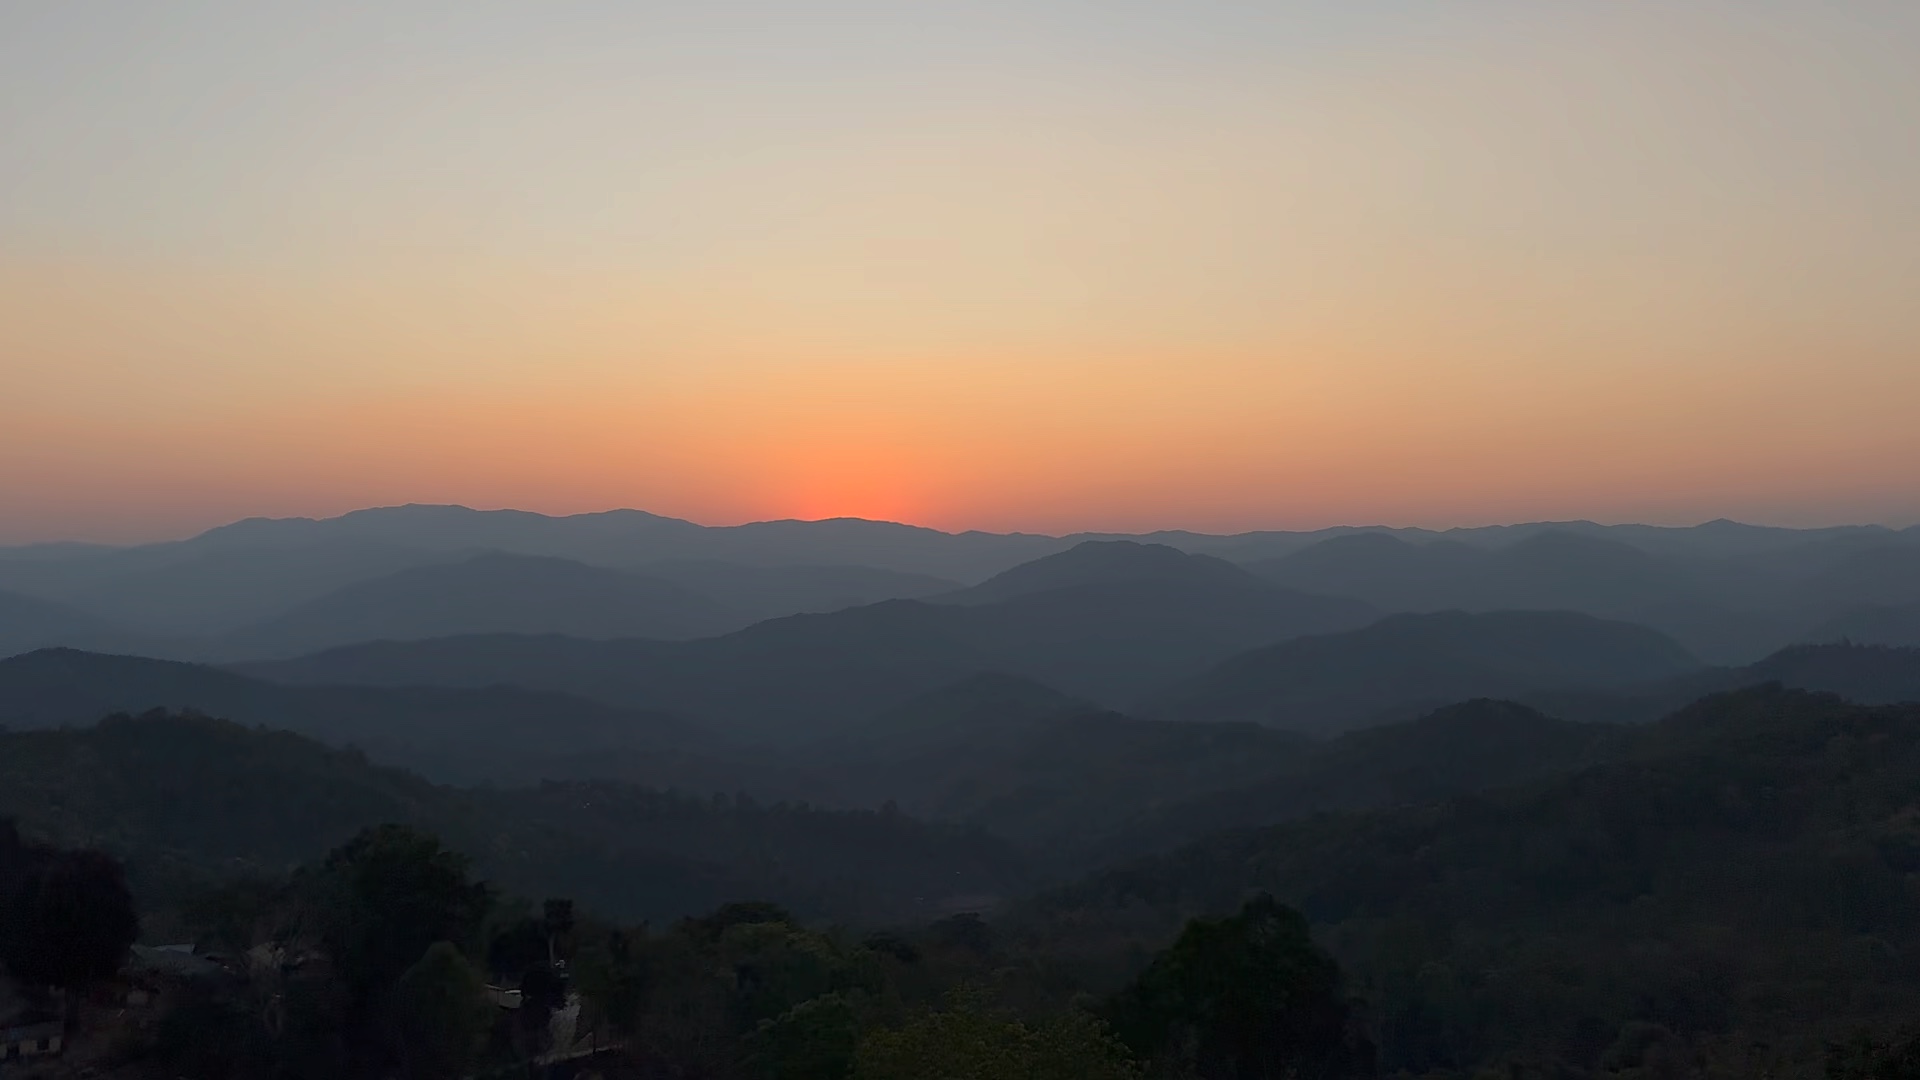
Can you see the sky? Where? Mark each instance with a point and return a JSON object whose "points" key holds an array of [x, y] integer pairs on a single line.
{"points": [[1045, 265]]}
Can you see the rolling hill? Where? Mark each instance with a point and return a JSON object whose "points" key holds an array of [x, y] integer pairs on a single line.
{"points": [[756, 593], [633, 537], [1043, 770], [189, 800], [1107, 562], [1731, 895], [1717, 608], [1890, 624], [1455, 750], [29, 622], [808, 676], [490, 593], [1407, 664], [203, 588], [498, 733], [1864, 674]]}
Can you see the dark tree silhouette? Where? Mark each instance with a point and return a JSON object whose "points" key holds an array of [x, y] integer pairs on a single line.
{"points": [[1249, 997], [440, 1015], [66, 917], [389, 894]]}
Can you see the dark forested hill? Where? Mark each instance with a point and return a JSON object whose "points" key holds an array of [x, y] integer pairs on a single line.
{"points": [[499, 733], [1733, 892], [491, 593], [1468, 747], [1407, 664], [188, 799], [1043, 770]]}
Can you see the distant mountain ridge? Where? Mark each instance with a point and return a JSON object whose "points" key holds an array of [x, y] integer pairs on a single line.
{"points": [[1105, 638], [628, 537], [1890, 624], [1406, 664], [1731, 607], [1730, 592], [29, 622], [492, 593], [1105, 562]]}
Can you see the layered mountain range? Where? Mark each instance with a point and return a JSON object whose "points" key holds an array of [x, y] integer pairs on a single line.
{"points": [[271, 589]]}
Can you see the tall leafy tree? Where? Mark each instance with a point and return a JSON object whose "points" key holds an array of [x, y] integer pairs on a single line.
{"points": [[1248, 997], [387, 895], [66, 917], [814, 1040], [971, 1041], [440, 1015]]}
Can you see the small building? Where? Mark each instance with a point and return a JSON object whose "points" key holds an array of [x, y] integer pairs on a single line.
{"points": [[41, 1039], [173, 961]]}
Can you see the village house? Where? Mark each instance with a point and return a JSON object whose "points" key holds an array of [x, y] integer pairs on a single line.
{"points": [[26, 1032], [40, 1039]]}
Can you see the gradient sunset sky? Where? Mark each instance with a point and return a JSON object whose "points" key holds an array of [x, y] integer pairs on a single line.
{"points": [[1045, 265]]}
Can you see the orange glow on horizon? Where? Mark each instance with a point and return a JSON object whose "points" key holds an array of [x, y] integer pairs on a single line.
{"points": [[1607, 261]]}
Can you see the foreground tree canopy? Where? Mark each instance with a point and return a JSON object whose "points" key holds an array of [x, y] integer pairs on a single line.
{"points": [[66, 917]]}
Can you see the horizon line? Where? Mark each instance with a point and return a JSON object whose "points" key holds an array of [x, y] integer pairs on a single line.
{"points": [[264, 519]]}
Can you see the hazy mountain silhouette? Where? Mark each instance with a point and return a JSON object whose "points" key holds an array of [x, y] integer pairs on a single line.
{"points": [[1094, 562], [986, 707], [808, 675], [1895, 624], [199, 588], [1714, 586], [492, 593], [1127, 618], [28, 623], [633, 537], [1879, 575], [757, 593], [1405, 664], [1719, 609], [1867, 674], [497, 733]]}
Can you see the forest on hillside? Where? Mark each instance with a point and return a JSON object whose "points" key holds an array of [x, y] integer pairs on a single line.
{"points": [[1728, 892]]}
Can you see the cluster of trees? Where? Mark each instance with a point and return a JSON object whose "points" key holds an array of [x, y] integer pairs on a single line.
{"points": [[1734, 889], [371, 962], [1731, 892], [388, 959], [66, 916], [185, 799]]}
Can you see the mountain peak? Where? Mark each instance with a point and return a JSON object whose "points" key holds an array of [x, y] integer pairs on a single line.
{"points": [[1097, 561]]}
